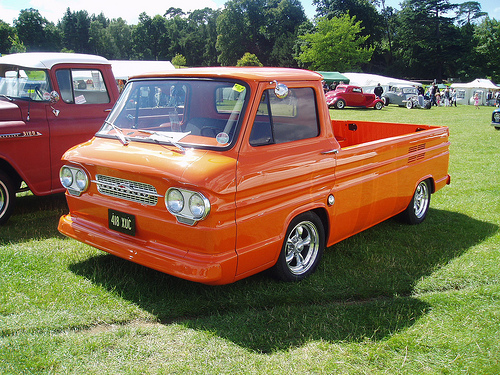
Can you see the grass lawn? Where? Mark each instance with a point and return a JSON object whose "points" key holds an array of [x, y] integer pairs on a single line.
{"points": [[395, 299]]}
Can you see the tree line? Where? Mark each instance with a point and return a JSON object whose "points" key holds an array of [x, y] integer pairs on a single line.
{"points": [[425, 39]]}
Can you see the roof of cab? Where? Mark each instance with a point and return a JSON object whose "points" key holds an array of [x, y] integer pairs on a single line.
{"points": [[46, 60], [244, 73]]}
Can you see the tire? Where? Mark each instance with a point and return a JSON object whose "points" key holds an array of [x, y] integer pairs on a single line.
{"points": [[409, 104], [340, 104], [302, 248], [7, 197], [418, 207], [386, 100], [379, 105], [497, 127]]}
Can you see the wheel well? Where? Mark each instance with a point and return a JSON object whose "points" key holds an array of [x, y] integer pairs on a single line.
{"points": [[11, 172], [322, 214]]}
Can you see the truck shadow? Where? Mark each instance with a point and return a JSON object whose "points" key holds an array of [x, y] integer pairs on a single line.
{"points": [[363, 289]]}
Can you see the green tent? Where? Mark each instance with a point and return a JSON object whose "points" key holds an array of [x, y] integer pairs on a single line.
{"points": [[330, 77]]}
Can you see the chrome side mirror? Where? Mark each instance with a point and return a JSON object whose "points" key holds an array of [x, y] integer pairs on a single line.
{"points": [[281, 90], [54, 97]]}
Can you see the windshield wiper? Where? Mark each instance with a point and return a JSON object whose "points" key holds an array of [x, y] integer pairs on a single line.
{"points": [[119, 133], [162, 137]]}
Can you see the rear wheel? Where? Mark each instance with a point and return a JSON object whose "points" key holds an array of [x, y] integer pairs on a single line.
{"points": [[302, 248], [7, 197], [417, 210], [386, 100], [340, 104], [379, 105]]}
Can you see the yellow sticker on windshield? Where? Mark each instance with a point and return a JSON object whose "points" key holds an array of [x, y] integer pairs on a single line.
{"points": [[239, 88]]}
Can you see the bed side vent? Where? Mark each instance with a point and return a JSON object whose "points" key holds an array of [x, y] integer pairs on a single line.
{"points": [[417, 152]]}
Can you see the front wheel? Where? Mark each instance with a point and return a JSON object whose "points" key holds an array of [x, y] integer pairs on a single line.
{"points": [[7, 197], [418, 207], [302, 248], [409, 104], [379, 105]]}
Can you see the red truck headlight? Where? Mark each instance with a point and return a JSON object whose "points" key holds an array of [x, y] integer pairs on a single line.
{"points": [[196, 209], [74, 179]]}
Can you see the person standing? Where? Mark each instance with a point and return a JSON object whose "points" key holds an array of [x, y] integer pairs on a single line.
{"points": [[476, 100], [378, 91]]}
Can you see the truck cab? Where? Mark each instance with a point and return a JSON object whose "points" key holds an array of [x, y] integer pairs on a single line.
{"points": [[49, 102]]}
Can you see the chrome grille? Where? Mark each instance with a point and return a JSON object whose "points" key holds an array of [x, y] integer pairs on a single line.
{"points": [[125, 189]]}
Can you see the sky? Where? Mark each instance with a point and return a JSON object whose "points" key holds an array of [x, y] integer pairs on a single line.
{"points": [[53, 10]]}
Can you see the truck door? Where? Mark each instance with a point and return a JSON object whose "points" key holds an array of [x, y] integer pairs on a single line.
{"points": [[85, 101], [280, 171]]}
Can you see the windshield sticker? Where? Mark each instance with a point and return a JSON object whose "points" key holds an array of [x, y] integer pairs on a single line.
{"points": [[222, 138], [238, 88]]}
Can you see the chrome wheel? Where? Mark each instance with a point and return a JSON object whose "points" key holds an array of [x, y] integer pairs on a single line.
{"points": [[417, 210], [421, 200], [340, 104], [302, 247]]}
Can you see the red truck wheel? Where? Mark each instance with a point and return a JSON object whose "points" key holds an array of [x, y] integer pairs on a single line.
{"points": [[302, 248], [7, 197]]}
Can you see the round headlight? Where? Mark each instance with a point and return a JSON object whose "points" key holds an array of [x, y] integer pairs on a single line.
{"points": [[81, 180], [175, 201], [197, 206], [66, 177]]}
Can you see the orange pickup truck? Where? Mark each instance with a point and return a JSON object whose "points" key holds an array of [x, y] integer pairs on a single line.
{"points": [[216, 174]]}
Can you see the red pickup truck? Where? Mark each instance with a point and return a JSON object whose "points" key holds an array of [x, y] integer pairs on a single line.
{"points": [[215, 174], [352, 96], [49, 102]]}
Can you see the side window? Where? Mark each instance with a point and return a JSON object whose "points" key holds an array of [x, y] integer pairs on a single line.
{"points": [[285, 120], [82, 86], [356, 90]]}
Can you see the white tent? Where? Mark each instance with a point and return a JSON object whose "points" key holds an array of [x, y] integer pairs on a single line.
{"points": [[369, 81], [466, 91], [123, 69]]}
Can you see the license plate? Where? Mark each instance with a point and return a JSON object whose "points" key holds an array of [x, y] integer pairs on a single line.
{"points": [[121, 222]]}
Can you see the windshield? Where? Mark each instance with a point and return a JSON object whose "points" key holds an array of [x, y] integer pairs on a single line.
{"points": [[24, 83], [185, 113]]}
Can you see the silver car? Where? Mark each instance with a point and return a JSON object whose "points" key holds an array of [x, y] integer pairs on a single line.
{"points": [[399, 95]]}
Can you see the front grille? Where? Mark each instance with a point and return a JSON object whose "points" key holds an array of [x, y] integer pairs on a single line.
{"points": [[125, 189]]}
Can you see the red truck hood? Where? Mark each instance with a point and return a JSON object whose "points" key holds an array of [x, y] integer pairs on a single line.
{"points": [[9, 111]]}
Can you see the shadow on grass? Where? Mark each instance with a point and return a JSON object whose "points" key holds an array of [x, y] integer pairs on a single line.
{"points": [[361, 290], [34, 217]]}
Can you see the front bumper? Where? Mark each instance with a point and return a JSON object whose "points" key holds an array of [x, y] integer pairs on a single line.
{"points": [[203, 268]]}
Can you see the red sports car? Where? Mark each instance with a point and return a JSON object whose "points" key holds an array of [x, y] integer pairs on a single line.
{"points": [[352, 96]]}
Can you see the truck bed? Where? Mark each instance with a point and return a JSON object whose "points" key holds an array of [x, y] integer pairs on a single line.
{"points": [[352, 133]]}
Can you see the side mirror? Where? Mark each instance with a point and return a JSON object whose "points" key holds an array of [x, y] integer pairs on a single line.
{"points": [[281, 90], [54, 97]]}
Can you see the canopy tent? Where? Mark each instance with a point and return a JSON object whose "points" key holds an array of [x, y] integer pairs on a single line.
{"points": [[331, 77], [369, 81], [477, 83], [466, 91], [123, 69]]}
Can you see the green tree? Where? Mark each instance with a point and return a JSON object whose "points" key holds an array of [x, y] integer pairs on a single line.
{"points": [[249, 59], [265, 28], [35, 32], [427, 38], [488, 47], [336, 45], [7, 35], [469, 12], [75, 27], [178, 60]]}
